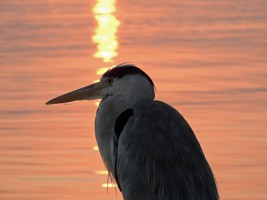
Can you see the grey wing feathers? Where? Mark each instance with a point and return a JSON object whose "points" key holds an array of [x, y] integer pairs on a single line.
{"points": [[159, 157]]}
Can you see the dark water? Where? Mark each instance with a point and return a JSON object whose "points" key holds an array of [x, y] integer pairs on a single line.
{"points": [[207, 58]]}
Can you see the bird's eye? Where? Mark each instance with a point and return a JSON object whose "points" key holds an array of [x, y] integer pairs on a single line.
{"points": [[110, 80]]}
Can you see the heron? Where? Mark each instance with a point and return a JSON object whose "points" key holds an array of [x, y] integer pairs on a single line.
{"points": [[146, 145]]}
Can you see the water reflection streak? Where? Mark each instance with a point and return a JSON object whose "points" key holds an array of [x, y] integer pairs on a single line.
{"points": [[105, 33]]}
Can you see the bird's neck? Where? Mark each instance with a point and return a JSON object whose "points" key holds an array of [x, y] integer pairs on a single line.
{"points": [[121, 97], [109, 110]]}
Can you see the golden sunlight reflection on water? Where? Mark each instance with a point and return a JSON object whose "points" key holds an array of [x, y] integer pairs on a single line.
{"points": [[95, 148], [107, 44], [108, 185], [103, 172], [102, 70], [105, 33]]}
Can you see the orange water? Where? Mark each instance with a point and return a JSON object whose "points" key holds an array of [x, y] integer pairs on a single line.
{"points": [[207, 59]]}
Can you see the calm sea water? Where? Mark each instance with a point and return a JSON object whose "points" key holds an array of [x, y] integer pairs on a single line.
{"points": [[207, 58]]}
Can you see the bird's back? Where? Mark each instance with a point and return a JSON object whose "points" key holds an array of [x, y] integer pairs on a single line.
{"points": [[159, 157]]}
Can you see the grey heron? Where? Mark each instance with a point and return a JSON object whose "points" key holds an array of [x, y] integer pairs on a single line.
{"points": [[147, 145]]}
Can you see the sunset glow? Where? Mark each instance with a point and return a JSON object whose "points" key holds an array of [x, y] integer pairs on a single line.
{"points": [[97, 102], [102, 70], [95, 148], [103, 172], [207, 60], [109, 185], [105, 33]]}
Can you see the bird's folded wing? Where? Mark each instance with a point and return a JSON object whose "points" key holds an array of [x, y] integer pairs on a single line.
{"points": [[159, 156]]}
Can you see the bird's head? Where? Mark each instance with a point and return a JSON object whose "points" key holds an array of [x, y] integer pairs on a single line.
{"points": [[124, 80]]}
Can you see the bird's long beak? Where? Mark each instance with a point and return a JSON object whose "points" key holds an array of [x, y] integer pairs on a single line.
{"points": [[86, 93]]}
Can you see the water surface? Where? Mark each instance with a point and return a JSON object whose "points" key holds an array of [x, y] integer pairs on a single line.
{"points": [[207, 58]]}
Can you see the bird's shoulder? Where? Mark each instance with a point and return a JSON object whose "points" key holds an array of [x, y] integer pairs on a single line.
{"points": [[156, 110], [158, 123]]}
